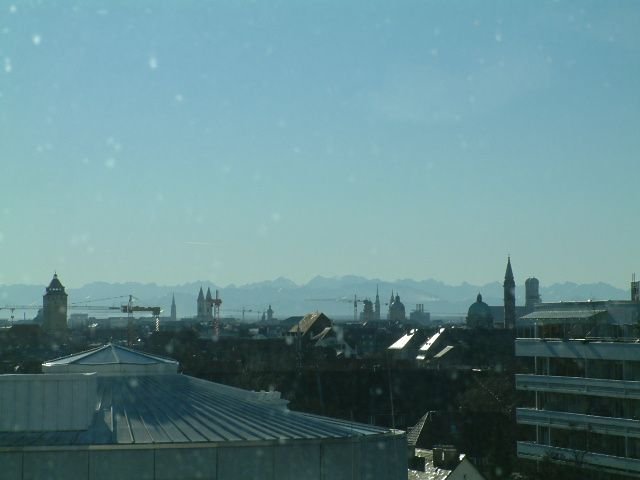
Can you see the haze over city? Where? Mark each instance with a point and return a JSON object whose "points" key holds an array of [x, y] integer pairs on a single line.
{"points": [[236, 143]]}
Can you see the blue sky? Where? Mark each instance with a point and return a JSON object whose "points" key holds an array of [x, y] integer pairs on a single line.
{"points": [[239, 141]]}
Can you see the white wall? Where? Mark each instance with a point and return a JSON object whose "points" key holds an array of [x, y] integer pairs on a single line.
{"points": [[358, 458]]}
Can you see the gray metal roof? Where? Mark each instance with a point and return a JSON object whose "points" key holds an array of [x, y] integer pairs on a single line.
{"points": [[563, 314], [110, 354], [181, 409]]}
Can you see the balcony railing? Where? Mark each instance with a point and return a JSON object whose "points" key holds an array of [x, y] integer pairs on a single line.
{"points": [[536, 347], [580, 458], [579, 385], [576, 421]]}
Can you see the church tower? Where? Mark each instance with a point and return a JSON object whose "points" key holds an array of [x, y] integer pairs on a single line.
{"points": [[201, 309], [208, 305], [54, 307], [509, 286], [174, 316], [376, 308]]}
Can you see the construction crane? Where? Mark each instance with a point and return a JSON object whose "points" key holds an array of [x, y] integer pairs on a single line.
{"points": [[73, 306], [215, 303], [355, 301], [13, 308], [242, 310], [129, 308]]}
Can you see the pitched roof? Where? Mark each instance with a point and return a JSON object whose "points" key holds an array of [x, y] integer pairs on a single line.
{"points": [[110, 354], [307, 322], [112, 360], [55, 285], [553, 314], [561, 316]]}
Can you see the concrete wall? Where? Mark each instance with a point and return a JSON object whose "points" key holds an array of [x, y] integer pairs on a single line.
{"points": [[361, 458]]}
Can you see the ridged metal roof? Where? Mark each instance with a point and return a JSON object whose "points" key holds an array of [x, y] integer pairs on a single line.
{"points": [[181, 409], [562, 314], [110, 355]]}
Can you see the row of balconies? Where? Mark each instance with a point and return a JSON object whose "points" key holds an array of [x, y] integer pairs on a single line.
{"points": [[578, 385], [579, 458], [575, 421], [593, 350]]}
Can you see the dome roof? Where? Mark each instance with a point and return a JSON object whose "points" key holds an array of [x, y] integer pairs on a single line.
{"points": [[397, 303], [479, 311]]}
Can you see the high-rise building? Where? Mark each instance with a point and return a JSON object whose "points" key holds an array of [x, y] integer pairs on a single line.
{"points": [[509, 286], [376, 309], [54, 307]]}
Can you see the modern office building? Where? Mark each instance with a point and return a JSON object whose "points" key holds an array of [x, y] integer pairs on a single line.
{"points": [[582, 386]]}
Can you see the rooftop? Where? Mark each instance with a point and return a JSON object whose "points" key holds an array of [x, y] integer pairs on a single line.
{"points": [[110, 354], [176, 408], [111, 360], [563, 314]]}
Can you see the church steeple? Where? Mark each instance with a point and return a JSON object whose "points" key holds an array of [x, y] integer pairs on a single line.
{"points": [[201, 307], [508, 276], [208, 305], [509, 287], [173, 308], [376, 309]]}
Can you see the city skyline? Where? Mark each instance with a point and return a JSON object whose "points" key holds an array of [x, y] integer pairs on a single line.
{"points": [[236, 144]]}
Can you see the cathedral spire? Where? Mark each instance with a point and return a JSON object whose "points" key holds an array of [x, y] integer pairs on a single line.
{"points": [[173, 308], [201, 306], [508, 276], [509, 287], [208, 305]]}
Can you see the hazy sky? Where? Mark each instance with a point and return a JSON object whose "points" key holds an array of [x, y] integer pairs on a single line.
{"points": [[235, 141]]}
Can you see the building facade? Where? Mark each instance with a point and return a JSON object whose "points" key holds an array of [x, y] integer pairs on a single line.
{"points": [[582, 386]]}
